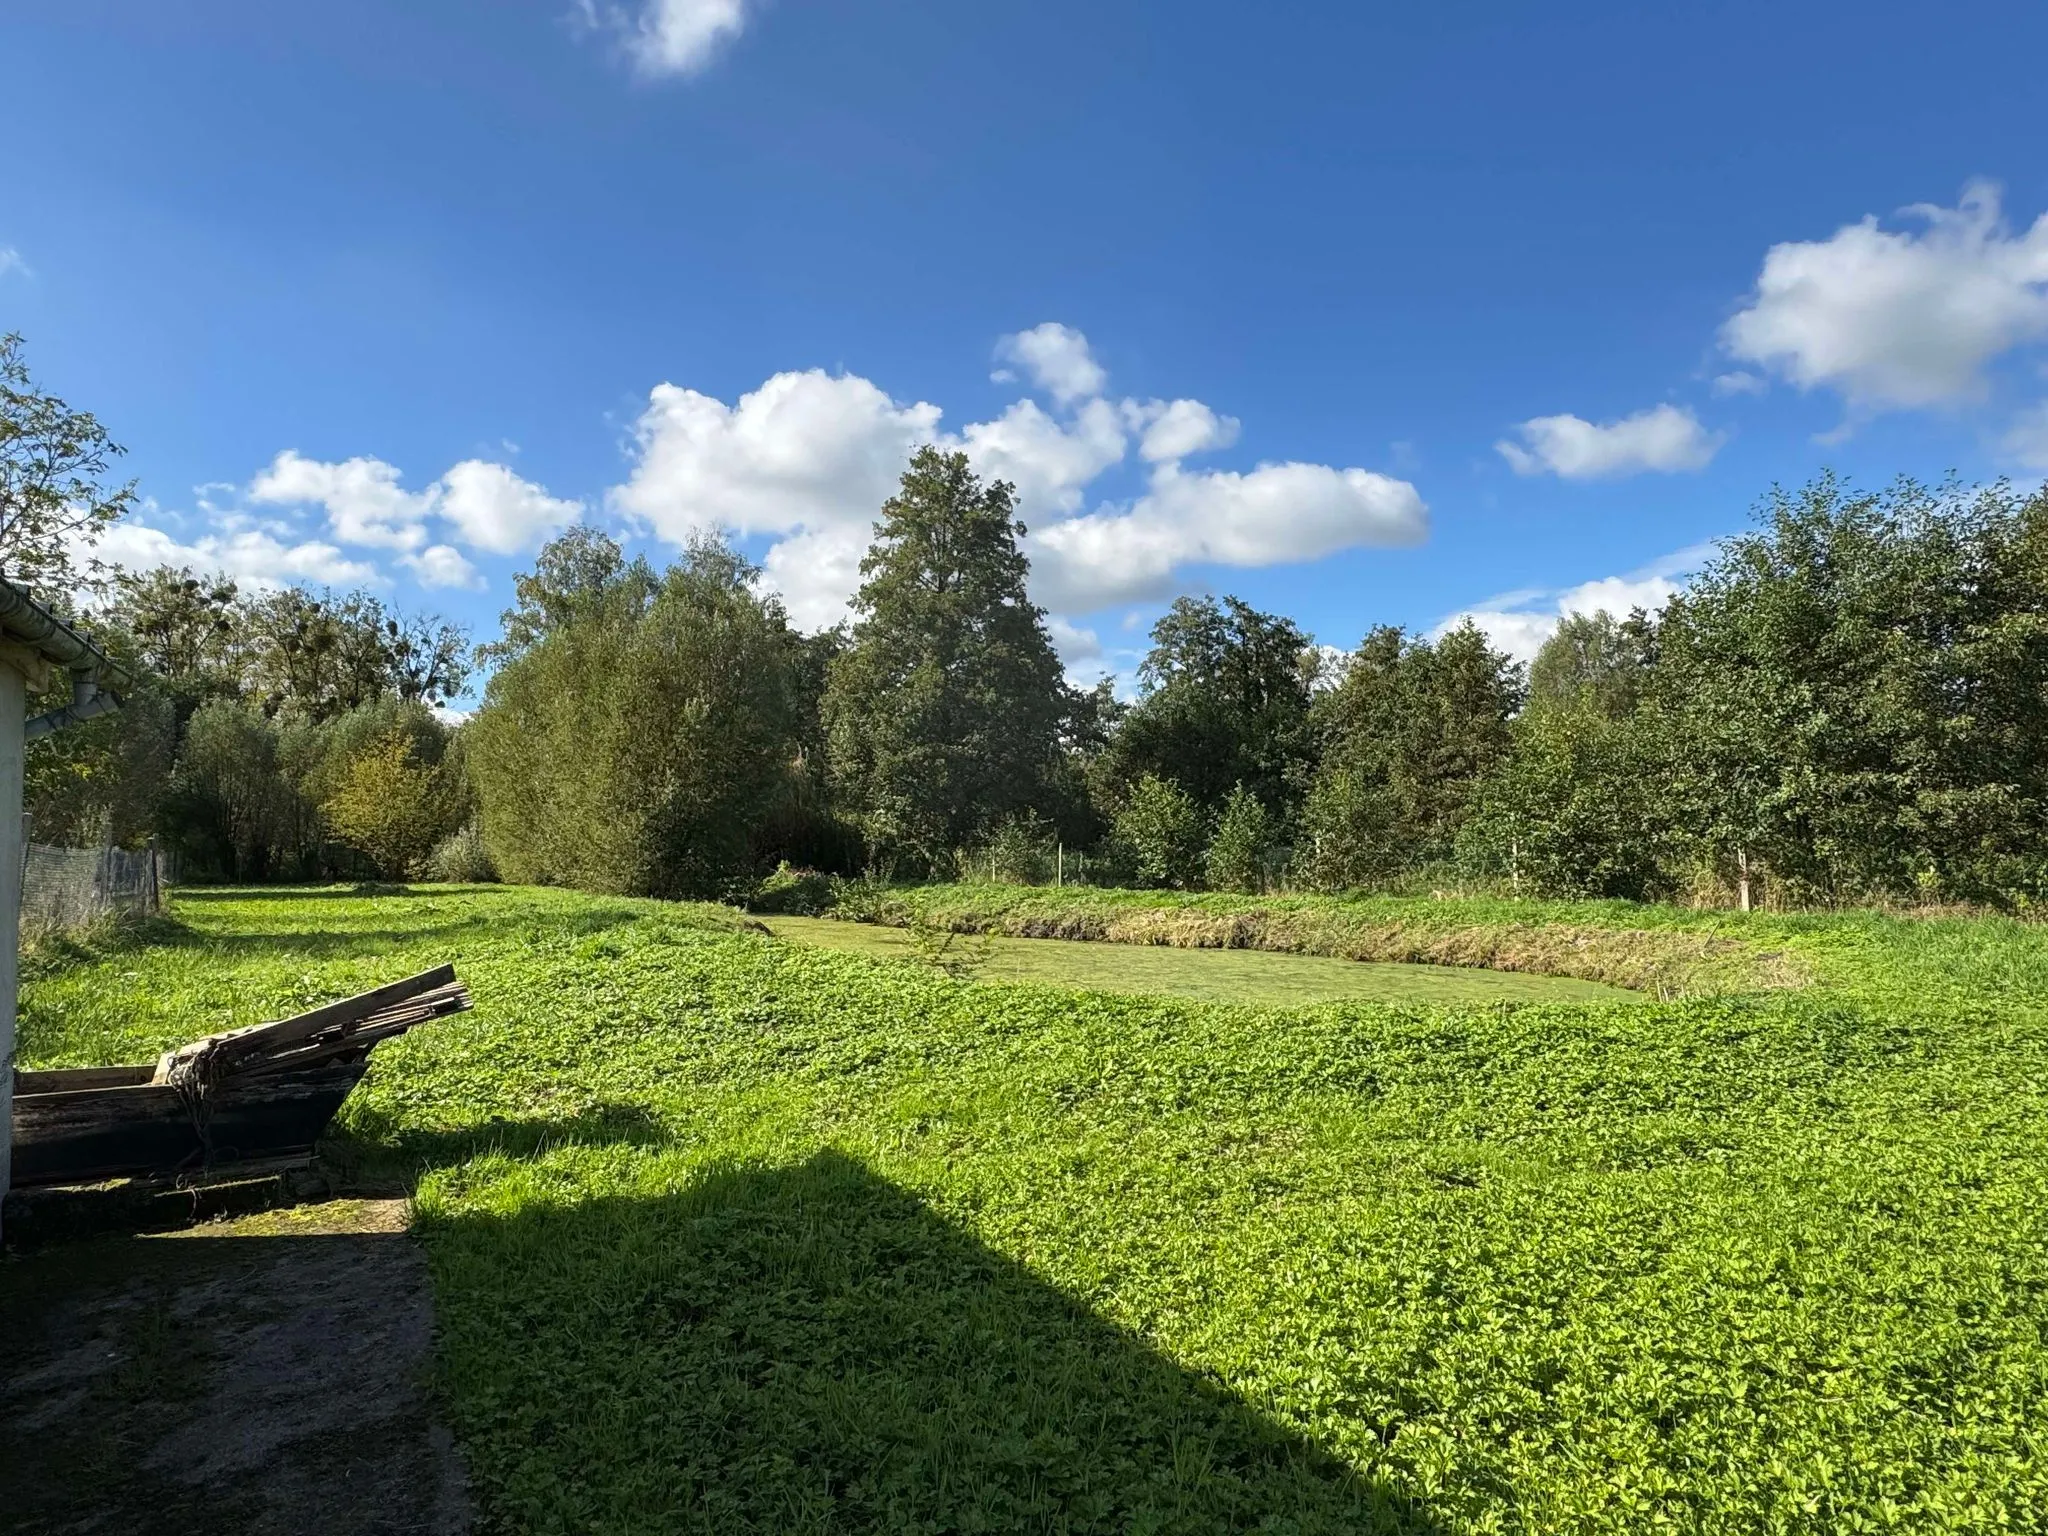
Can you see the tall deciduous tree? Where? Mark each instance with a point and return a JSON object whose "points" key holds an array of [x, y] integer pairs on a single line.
{"points": [[1409, 729], [1858, 693], [638, 744], [943, 714], [1226, 702], [54, 497], [1594, 659]]}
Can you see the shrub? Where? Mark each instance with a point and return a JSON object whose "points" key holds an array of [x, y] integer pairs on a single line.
{"points": [[1023, 851], [791, 892], [461, 858], [386, 806], [1242, 849], [1163, 830]]}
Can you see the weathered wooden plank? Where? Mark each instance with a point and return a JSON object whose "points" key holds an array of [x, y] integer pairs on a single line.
{"points": [[59, 1079], [264, 1092], [261, 1038], [85, 1135]]}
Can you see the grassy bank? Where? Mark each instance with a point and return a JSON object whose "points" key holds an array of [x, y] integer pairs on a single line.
{"points": [[1672, 951], [733, 1234], [1239, 975]]}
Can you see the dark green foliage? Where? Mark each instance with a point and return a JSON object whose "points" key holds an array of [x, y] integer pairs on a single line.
{"points": [[1161, 832], [1243, 853], [636, 745], [795, 892], [580, 573], [943, 713], [1226, 703], [1409, 728], [1576, 808], [1857, 695]]}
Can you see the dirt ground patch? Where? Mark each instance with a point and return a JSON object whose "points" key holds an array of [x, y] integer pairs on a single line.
{"points": [[267, 1375]]}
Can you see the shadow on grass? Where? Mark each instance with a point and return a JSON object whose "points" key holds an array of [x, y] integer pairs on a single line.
{"points": [[374, 942], [812, 1348], [367, 1158]]}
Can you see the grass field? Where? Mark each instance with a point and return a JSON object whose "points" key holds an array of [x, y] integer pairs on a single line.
{"points": [[1211, 975], [736, 1234]]}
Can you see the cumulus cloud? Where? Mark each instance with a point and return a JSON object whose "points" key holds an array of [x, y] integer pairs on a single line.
{"points": [[1664, 438], [488, 506], [1056, 358], [2027, 439], [1074, 643], [1519, 622], [1739, 382], [362, 497], [808, 459], [1898, 317], [442, 565], [1178, 429], [255, 557], [495, 510], [1049, 463], [668, 37], [808, 450], [1273, 515]]}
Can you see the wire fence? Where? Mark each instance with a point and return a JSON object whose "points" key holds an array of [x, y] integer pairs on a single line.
{"points": [[74, 887]]}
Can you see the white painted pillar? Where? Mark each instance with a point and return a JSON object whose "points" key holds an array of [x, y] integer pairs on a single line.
{"points": [[13, 712]]}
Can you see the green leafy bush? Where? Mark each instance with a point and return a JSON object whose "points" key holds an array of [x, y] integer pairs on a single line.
{"points": [[793, 893], [1242, 851], [462, 858], [1162, 828]]}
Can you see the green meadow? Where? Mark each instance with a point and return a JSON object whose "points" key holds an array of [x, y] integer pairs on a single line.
{"points": [[735, 1231]]}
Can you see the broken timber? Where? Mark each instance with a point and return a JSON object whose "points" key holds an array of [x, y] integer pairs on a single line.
{"points": [[261, 1093]]}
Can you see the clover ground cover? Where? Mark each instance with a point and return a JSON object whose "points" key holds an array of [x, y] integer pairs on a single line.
{"points": [[734, 1234]]}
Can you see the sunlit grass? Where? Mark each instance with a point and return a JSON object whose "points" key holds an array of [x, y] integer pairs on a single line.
{"points": [[732, 1233], [1211, 975]]}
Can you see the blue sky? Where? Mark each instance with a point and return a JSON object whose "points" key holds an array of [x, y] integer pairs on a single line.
{"points": [[1368, 314]]}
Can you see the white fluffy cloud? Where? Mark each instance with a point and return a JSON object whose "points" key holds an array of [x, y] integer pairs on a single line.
{"points": [[442, 565], [495, 510], [1898, 318], [668, 37], [1664, 438], [1057, 359], [1050, 464], [488, 506], [362, 498], [806, 450], [2027, 439], [1273, 515], [255, 557], [1518, 623], [1178, 429], [809, 458]]}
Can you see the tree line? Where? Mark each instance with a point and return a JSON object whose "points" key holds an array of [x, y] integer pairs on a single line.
{"points": [[1848, 703]]}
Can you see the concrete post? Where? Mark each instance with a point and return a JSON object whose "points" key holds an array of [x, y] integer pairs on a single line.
{"points": [[13, 713]]}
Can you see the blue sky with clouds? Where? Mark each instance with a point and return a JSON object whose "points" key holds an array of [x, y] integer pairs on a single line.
{"points": [[1368, 314]]}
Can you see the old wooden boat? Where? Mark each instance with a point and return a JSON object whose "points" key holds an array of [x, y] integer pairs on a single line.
{"points": [[248, 1095]]}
